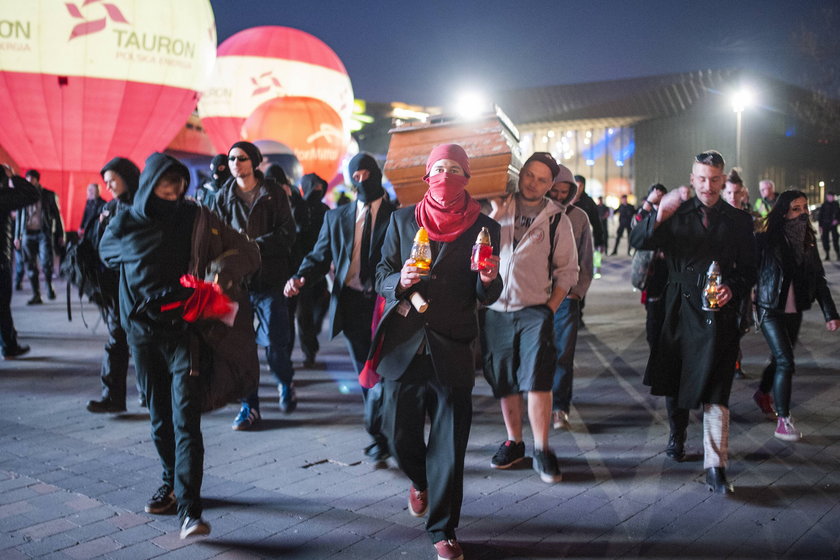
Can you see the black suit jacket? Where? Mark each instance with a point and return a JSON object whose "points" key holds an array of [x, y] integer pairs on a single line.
{"points": [[452, 290], [335, 245]]}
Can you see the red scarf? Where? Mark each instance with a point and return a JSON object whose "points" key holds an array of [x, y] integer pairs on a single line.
{"points": [[446, 220]]}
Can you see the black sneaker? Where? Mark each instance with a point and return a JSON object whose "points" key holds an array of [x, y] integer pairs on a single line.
{"points": [[162, 502], [545, 463], [50, 293], [12, 353], [288, 397], [509, 453], [194, 526], [36, 300], [105, 405]]}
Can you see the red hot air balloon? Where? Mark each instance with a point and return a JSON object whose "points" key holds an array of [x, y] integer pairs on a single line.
{"points": [[82, 81], [264, 63]]}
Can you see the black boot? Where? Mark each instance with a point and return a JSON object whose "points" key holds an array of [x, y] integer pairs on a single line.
{"points": [[678, 422], [716, 481], [676, 446]]}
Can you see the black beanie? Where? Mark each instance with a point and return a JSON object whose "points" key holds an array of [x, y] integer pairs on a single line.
{"points": [[546, 159], [126, 169], [250, 149]]}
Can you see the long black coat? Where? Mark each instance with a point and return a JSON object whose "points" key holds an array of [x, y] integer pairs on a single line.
{"points": [[695, 356], [23, 194], [452, 290], [335, 246]]}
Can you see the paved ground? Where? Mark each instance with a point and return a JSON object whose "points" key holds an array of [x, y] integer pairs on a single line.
{"points": [[73, 484]]}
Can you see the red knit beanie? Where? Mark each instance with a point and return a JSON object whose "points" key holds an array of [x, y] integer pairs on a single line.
{"points": [[448, 151]]}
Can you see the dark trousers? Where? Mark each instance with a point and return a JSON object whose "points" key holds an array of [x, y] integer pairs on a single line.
{"points": [[38, 246], [436, 465], [781, 331], [831, 232], [619, 234], [8, 334], [308, 327], [114, 369], [273, 332], [356, 311], [566, 323], [174, 398]]}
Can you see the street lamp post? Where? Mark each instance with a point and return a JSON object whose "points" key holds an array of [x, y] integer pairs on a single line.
{"points": [[740, 100]]}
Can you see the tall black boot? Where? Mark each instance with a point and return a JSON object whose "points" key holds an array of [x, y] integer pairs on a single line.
{"points": [[678, 422]]}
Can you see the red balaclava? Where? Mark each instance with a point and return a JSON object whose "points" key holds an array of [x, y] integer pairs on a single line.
{"points": [[447, 209]]}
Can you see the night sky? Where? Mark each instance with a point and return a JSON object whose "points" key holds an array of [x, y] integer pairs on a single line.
{"points": [[427, 52]]}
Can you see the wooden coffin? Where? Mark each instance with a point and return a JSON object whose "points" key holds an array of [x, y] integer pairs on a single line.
{"points": [[491, 141]]}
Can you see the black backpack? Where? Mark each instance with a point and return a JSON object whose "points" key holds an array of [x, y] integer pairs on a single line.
{"points": [[83, 268]]}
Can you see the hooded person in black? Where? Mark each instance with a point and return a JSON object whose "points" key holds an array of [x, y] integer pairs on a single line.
{"points": [[341, 243], [155, 241], [122, 178], [311, 302]]}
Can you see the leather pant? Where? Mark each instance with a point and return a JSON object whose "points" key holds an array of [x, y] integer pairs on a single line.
{"points": [[780, 331]]}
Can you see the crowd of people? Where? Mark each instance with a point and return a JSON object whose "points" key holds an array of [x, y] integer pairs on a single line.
{"points": [[281, 261]]}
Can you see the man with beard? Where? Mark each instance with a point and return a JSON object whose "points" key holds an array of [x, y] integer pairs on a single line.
{"points": [[259, 208], [538, 265], [351, 239], [426, 358], [693, 362]]}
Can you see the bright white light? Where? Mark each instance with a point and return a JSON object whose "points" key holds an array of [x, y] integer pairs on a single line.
{"points": [[550, 134], [471, 104], [590, 162], [619, 163], [742, 99], [822, 183]]}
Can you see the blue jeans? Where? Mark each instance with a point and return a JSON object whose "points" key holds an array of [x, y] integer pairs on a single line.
{"points": [[273, 332], [566, 323]]}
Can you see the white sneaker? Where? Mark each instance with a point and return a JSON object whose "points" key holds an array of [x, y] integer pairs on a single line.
{"points": [[560, 420]]}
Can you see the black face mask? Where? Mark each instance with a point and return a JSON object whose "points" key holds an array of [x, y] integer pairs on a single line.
{"points": [[369, 190], [161, 209], [315, 195]]}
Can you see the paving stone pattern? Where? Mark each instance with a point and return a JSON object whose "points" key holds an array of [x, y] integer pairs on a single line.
{"points": [[73, 484]]}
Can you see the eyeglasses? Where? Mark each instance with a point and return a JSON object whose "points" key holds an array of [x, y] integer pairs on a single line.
{"points": [[240, 158]]}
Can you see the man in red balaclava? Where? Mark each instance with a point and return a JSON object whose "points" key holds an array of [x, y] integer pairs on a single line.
{"points": [[426, 358]]}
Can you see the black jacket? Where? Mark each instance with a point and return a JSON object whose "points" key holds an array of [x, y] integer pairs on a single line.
{"points": [[51, 222], [829, 213], [453, 291], [92, 210], [777, 268], [269, 222], [588, 205], [138, 243], [335, 246], [309, 217], [23, 194]]}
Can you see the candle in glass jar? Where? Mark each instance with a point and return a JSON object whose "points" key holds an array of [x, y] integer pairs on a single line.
{"points": [[481, 251]]}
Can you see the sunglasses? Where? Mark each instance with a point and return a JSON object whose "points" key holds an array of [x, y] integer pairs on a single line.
{"points": [[240, 158]]}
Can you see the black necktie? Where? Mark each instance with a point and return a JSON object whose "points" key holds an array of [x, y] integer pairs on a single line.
{"points": [[364, 254], [705, 211]]}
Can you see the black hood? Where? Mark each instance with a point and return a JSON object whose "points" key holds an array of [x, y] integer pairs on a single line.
{"points": [[308, 184], [156, 165], [370, 189], [129, 172]]}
